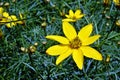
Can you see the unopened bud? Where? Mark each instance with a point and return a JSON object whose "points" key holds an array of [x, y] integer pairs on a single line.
{"points": [[35, 44], [6, 4], [23, 49], [108, 58], [44, 24], [118, 22], [32, 49], [44, 42]]}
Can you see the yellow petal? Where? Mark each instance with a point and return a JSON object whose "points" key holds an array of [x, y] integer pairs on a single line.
{"points": [[12, 18], [69, 31], [59, 39], [78, 58], [1, 10], [3, 20], [79, 16], [91, 40], [5, 14], [21, 17], [77, 12], [57, 50], [67, 16], [71, 13], [91, 53], [63, 56], [69, 20], [85, 32], [10, 25]]}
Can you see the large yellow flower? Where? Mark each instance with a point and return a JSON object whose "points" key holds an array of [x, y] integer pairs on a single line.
{"points": [[72, 17], [117, 2], [74, 44]]}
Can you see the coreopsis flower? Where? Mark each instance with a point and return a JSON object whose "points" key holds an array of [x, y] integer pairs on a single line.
{"points": [[11, 21], [117, 2], [74, 44], [72, 17], [3, 16]]}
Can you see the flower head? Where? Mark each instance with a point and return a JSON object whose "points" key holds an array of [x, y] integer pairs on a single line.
{"points": [[11, 21], [72, 17], [74, 44]]}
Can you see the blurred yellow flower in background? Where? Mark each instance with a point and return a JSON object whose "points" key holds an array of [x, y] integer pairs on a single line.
{"points": [[74, 44], [9, 20], [117, 2], [72, 17]]}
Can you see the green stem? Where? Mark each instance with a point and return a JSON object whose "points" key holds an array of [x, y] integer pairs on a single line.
{"points": [[30, 59]]}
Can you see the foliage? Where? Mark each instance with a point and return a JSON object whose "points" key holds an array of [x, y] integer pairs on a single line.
{"points": [[17, 65]]}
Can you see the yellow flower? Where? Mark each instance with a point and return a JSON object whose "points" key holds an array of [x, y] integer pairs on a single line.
{"points": [[74, 44], [117, 2], [11, 21], [72, 17], [3, 17]]}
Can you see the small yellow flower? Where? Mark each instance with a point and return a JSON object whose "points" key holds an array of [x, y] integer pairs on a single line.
{"points": [[117, 2], [3, 16], [11, 21], [74, 44], [72, 17]]}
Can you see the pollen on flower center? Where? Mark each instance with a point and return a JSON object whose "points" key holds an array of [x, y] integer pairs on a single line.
{"points": [[75, 43]]}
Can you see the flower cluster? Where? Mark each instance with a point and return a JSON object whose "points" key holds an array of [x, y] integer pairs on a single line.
{"points": [[74, 44], [9, 20]]}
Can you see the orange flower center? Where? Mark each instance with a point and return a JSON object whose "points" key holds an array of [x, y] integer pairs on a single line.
{"points": [[75, 43]]}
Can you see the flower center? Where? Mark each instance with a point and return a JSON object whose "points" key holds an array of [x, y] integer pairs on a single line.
{"points": [[74, 17], [75, 43]]}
